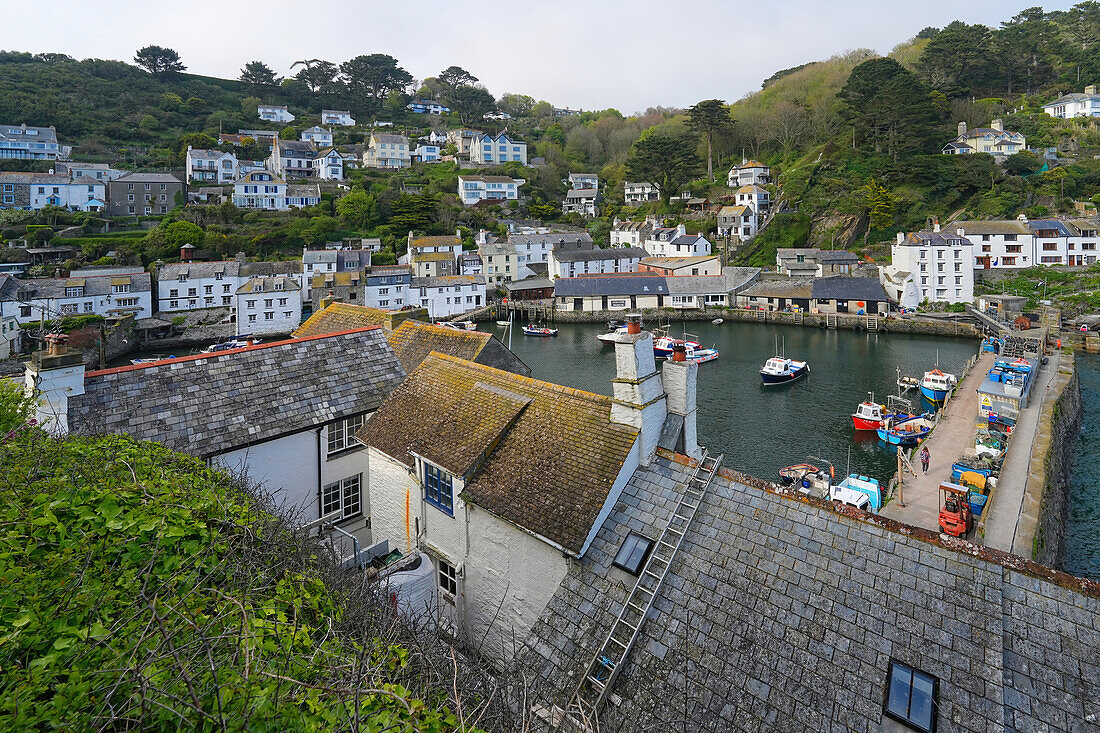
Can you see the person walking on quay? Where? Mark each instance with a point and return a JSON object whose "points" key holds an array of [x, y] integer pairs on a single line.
{"points": [[925, 457]]}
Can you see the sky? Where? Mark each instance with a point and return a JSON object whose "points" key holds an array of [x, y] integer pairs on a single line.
{"points": [[587, 54]]}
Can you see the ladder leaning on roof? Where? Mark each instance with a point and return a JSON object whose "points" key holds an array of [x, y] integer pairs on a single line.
{"points": [[601, 672]]}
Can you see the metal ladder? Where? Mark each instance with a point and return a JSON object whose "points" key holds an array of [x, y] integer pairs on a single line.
{"points": [[798, 317], [872, 323], [761, 315], [830, 320], [601, 672]]}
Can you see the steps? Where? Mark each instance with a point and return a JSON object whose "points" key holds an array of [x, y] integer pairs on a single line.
{"points": [[872, 323], [830, 320], [582, 712]]}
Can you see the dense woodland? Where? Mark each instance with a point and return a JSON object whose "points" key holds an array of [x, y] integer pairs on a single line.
{"points": [[853, 140]]}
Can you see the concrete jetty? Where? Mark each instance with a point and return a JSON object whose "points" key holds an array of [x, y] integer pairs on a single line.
{"points": [[951, 436]]}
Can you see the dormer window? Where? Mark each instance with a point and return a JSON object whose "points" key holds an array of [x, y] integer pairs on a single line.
{"points": [[439, 488]]}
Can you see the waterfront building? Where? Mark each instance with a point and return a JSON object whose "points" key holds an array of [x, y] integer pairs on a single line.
{"points": [[447, 296], [533, 249], [940, 265], [679, 266], [335, 316], [498, 262], [109, 295], [188, 285], [571, 262], [810, 262], [414, 340], [268, 305]]}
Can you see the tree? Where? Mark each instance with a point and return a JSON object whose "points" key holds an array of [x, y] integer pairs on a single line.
{"points": [[1024, 162], [889, 108], [957, 59], [358, 208], [259, 75], [179, 233], [880, 205], [1027, 46], [317, 75], [370, 78], [412, 212], [471, 103], [516, 105], [196, 140], [666, 160], [454, 77], [158, 61], [710, 118]]}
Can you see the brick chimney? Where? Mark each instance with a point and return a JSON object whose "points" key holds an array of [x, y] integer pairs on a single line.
{"points": [[639, 399], [51, 377], [1090, 89], [329, 300], [962, 128], [998, 125]]}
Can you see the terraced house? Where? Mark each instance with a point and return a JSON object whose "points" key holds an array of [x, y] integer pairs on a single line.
{"points": [[23, 142], [490, 150], [35, 191], [387, 151], [144, 194]]}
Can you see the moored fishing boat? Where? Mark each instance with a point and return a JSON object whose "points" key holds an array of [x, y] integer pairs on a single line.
{"points": [[781, 370], [503, 323], [237, 343], [869, 414], [530, 330], [610, 336], [791, 474], [904, 429], [936, 385], [663, 344], [153, 359]]}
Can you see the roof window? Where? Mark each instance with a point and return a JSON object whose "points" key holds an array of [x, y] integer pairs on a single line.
{"points": [[911, 697], [632, 555]]}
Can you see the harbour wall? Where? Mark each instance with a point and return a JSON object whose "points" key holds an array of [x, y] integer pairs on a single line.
{"points": [[847, 321], [1047, 493]]}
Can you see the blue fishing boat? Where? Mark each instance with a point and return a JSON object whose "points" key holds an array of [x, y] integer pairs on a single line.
{"points": [[780, 370], [936, 385], [856, 484], [904, 429]]}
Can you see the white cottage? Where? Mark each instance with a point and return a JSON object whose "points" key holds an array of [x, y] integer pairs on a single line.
{"points": [[268, 305], [503, 481]]}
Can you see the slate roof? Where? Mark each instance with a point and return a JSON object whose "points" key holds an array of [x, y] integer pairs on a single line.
{"points": [[848, 288], [935, 239], [45, 287], [702, 284], [590, 255], [1036, 225], [268, 285], [433, 256], [581, 193], [390, 139], [837, 256], [208, 404], [447, 240], [531, 283], [204, 154], [790, 288], [344, 259], [491, 179], [781, 614], [551, 238], [339, 317], [1071, 97], [1000, 226], [413, 340], [673, 263], [297, 148], [548, 469], [445, 281], [172, 270], [599, 285], [147, 178]]}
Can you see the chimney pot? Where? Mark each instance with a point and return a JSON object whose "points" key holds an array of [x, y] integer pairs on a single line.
{"points": [[679, 351], [633, 323]]}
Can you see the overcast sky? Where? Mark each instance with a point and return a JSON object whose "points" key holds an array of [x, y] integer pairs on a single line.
{"points": [[590, 54]]}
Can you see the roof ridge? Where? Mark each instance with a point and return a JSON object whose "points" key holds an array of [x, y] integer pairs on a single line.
{"points": [[198, 357], [531, 381]]}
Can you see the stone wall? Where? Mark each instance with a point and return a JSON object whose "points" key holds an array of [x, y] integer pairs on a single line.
{"points": [[1047, 493], [893, 324]]}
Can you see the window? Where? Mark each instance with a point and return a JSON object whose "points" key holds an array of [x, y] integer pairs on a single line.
{"points": [[269, 316], [251, 317], [1050, 246], [448, 580], [1010, 237], [343, 497], [225, 288], [632, 555], [174, 304], [911, 697], [341, 434], [74, 292], [208, 289], [438, 488]]}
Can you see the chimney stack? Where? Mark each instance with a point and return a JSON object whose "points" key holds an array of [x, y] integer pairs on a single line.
{"points": [[901, 237], [962, 128], [998, 125], [1090, 89], [679, 351], [680, 379], [639, 395], [51, 377], [936, 225]]}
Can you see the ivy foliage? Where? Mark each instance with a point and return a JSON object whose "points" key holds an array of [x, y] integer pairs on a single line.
{"points": [[141, 589]]}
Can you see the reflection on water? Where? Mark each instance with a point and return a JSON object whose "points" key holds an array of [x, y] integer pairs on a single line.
{"points": [[760, 429], [1082, 548]]}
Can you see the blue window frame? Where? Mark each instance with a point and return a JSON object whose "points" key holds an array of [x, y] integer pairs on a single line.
{"points": [[911, 697], [438, 488]]}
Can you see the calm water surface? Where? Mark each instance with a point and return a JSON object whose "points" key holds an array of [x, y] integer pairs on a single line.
{"points": [[1082, 549], [759, 429]]}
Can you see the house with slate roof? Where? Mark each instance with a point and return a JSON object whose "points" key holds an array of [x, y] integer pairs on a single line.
{"points": [[810, 262], [940, 264], [387, 151], [282, 413], [144, 194], [533, 250], [446, 296], [274, 113], [503, 148], [336, 317], [571, 262], [1075, 104], [995, 140], [782, 613], [581, 201], [748, 173], [26, 142], [626, 291], [104, 295], [268, 306], [385, 287], [35, 191], [318, 136], [503, 480], [413, 340], [211, 166]]}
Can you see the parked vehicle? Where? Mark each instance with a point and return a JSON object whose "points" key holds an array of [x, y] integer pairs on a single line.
{"points": [[955, 516]]}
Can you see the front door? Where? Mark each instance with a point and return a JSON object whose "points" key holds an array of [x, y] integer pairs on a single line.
{"points": [[578, 304]]}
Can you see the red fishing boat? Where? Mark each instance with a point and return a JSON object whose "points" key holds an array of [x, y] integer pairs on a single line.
{"points": [[869, 415]]}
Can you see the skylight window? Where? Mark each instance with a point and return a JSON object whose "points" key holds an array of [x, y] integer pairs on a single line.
{"points": [[632, 555], [911, 697]]}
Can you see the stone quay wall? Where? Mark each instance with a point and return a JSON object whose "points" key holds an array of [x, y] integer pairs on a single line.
{"points": [[1047, 493]]}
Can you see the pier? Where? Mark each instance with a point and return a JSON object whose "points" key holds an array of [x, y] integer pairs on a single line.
{"points": [[953, 432]]}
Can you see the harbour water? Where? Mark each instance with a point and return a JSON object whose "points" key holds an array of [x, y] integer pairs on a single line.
{"points": [[761, 429], [1082, 546]]}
